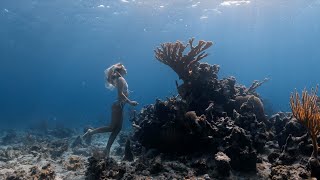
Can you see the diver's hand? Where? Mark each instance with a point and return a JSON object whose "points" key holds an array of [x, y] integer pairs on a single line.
{"points": [[133, 103]]}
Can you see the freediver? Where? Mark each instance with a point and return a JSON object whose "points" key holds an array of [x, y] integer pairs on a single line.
{"points": [[114, 79]]}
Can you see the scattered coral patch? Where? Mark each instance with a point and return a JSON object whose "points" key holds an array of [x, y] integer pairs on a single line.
{"points": [[45, 173], [74, 163]]}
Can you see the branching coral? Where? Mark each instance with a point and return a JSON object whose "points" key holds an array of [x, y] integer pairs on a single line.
{"points": [[172, 55], [307, 112], [255, 84]]}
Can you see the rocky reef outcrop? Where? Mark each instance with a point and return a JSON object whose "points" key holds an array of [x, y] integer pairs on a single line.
{"points": [[208, 114], [218, 118]]}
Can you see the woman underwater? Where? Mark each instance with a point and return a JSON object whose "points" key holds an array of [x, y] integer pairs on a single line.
{"points": [[114, 79]]}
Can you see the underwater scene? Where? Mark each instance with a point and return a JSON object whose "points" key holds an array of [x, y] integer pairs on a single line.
{"points": [[159, 89]]}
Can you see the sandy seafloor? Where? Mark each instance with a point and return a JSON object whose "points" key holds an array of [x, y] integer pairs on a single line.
{"points": [[18, 157]]}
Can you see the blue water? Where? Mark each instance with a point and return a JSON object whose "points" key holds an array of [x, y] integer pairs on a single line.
{"points": [[53, 53]]}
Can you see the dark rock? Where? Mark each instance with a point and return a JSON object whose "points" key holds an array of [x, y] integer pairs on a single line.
{"points": [[305, 145], [238, 137], [257, 129], [178, 167], [272, 157], [291, 127], [291, 151], [156, 166], [200, 166], [128, 155], [279, 120], [242, 159], [239, 149], [222, 163], [35, 148], [140, 166], [104, 169], [315, 167], [123, 139], [57, 148]]}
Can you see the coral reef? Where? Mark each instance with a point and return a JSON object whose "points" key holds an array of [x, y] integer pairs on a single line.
{"points": [[213, 129]]}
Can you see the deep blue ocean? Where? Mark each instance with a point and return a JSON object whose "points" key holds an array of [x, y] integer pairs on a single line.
{"points": [[53, 53]]}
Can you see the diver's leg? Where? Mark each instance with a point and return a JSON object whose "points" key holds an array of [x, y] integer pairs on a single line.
{"points": [[111, 140], [104, 129], [91, 132], [117, 119]]}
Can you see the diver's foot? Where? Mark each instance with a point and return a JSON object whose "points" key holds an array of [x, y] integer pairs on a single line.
{"points": [[88, 134]]}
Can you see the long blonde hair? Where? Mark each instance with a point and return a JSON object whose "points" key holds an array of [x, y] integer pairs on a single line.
{"points": [[111, 73]]}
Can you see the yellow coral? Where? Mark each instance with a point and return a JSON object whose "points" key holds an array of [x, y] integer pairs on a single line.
{"points": [[307, 112]]}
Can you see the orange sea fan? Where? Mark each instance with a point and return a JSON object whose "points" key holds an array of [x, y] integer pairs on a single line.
{"points": [[307, 112]]}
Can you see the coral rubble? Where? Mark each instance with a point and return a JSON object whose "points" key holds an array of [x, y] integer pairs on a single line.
{"points": [[45, 173], [74, 163]]}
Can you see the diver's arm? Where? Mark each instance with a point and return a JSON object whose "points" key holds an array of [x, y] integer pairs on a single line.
{"points": [[121, 95], [132, 103]]}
